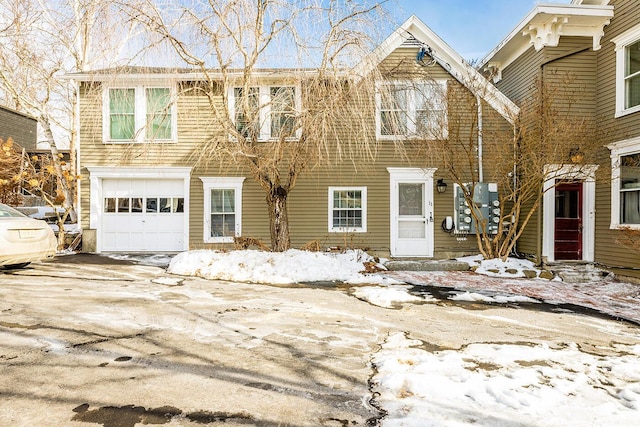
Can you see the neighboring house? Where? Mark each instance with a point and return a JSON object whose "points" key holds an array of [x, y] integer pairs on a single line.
{"points": [[23, 129], [142, 191], [598, 43]]}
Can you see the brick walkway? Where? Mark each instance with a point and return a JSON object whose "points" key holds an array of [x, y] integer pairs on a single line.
{"points": [[608, 296]]}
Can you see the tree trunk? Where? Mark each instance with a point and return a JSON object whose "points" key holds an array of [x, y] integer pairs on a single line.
{"points": [[69, 199], [278, 219]]}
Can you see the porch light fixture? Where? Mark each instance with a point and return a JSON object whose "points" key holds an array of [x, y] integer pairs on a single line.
{"points": [[441, 186], [576, 155]]}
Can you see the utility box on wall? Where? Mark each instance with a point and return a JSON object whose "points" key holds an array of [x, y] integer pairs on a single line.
{"points": [[485, 203]]}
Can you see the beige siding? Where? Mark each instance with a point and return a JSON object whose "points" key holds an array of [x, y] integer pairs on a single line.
{"points": [[594, 75], [608, 250], [308, 202]]}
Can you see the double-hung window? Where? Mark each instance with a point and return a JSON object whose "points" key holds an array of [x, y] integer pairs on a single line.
{"points": [[139, 114], [628, 71], [223, 208], [261, 113], [625, 183], [413, 109], [348, 209]]}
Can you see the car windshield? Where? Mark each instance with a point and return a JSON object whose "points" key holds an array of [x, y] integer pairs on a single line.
{"points": [[9, 212]]}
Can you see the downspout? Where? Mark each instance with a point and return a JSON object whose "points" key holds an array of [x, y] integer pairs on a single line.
{"points": [[76, 146], [480, 168]]}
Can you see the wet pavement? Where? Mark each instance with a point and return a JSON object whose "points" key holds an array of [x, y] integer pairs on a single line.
{"points": [[88, 340], [610, 297]]}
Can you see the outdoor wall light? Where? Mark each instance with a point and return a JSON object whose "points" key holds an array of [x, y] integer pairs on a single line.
{"points": [[441, 186]]}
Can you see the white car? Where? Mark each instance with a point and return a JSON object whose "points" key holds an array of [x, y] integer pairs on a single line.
{"points": [[23, 239]]}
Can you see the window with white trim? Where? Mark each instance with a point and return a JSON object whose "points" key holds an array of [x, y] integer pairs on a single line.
{"points": [[222, 208], [139, 114], [265, 112], [625, 183], [412, 109], [348, 209], [628, 71]]}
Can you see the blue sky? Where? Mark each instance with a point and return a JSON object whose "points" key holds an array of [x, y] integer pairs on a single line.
{"points": [[471, 27]]}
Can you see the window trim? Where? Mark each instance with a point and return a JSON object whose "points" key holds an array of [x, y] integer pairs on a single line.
{"points": [[622, 41], [410, 110], [363, 208], [140, 114], [619, 149], [221, 183], [264, 108]]}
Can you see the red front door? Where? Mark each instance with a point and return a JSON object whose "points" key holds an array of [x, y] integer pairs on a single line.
{"points": [[568, 222]]}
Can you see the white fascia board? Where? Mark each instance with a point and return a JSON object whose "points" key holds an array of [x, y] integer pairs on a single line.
{"points": [[586, 20], [449, 59], [195, 76]]}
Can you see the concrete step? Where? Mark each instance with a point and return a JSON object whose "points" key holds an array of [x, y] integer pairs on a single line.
{"points": [[426, 265], [578, 272]]}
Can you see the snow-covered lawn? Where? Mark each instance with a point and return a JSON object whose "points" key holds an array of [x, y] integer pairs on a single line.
{"points": [[480, 384], [506, 385]]}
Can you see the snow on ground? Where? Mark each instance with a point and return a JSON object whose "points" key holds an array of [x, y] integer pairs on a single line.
{"points": [[511, 268], [506, 385], [388, 297], [499, 299], [480, 384]]}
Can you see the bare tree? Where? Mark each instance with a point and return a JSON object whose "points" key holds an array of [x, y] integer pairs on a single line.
{"points": [[41, 41], [552, 141], [10, 171], [279, 131]]}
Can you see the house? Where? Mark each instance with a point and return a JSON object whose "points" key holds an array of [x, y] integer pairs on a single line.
{"points": [[145, 187], [23, 129], [597, 43]]}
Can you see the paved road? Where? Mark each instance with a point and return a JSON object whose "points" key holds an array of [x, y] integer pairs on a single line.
{"points": [[86, 341]]}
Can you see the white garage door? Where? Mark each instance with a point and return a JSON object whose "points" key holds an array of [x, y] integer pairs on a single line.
{"points": [[142, 215]]}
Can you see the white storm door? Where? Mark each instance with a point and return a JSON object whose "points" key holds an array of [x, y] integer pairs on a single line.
{"points": [[411, 212]]}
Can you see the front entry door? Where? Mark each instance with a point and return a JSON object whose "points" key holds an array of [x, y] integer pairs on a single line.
{"points": [[411, 213], [568, 222]]}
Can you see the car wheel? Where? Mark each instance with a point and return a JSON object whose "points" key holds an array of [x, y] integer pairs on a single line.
{"points": [[16, 266]]}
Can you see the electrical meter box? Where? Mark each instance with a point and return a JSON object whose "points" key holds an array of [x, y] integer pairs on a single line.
{"points": [[486, 206]]}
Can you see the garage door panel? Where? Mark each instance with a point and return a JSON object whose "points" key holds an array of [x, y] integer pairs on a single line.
{"points": [[143, 215]]}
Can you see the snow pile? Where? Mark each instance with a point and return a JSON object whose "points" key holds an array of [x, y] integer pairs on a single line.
{"points": [[292, 266], [500, 299], [512, 267], [506, 384], [388, 297]]}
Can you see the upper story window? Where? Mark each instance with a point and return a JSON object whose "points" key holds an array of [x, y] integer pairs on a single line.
{"points": [[625, 183], [412, 109], [139, 114], [628, 71], [264, 112]]}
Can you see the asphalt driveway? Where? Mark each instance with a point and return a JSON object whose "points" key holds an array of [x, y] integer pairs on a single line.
{"points": [[88, 340]]}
